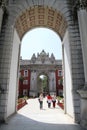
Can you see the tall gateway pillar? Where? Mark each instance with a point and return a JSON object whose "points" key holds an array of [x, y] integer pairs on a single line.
{"points": [[82, 19], [1, 14]]}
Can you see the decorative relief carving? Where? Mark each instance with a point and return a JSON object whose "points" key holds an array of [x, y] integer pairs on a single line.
{"points": [[81, 4], [52, 58], [33, 59], [77, 5], [3, 3], [43, 57]]}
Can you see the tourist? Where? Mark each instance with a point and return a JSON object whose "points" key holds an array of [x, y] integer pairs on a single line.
{"points": [[49, 100], [54, 100], [41, 100]]}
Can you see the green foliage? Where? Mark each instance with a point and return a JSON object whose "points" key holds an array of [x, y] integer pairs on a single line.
{"points": [[59, 98], [21, 78], [43, 81], [61, 81]]}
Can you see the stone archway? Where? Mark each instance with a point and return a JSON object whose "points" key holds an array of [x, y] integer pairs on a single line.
{"points": [[42, 64], [23, 16], [40, 16]]}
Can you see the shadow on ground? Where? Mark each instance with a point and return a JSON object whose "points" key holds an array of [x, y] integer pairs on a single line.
{"points": [[20, 122]]}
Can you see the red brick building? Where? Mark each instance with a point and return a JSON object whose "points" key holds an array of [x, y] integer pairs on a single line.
{"points": [[59, 82], [24, 82]]}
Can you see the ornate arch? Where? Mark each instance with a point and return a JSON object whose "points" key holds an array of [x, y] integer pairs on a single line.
{"points": [[40, 16]]}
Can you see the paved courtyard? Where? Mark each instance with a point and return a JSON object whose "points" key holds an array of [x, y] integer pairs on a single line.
{"points": [[30, 117]]}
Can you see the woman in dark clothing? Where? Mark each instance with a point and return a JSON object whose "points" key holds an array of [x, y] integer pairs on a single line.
{"points": [[54, 100], [41, 100]]}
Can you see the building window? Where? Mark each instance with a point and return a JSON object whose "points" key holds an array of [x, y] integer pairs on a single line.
{"points": [[59, 82], [25, 92], [25, 82], [25, 73], [60, 93], [59, 72]]}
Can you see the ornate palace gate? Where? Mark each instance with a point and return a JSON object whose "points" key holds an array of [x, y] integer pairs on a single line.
{"points": [[44, 65], [68, 18]]}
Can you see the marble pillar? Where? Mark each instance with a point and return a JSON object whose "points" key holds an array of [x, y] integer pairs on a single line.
{"points": [[82, 20], [1, 17], [33, 85]]}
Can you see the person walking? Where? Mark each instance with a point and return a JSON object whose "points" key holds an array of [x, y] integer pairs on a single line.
{"points": [[41, 100], [49, 100], [54, 100]]}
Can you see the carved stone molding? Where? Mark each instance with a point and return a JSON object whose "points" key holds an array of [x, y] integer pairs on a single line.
{"points": [[80, 4], [83, 93], [42, 57], [3, 3]]}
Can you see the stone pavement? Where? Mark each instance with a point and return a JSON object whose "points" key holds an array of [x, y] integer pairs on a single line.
{"points": [[30, 117]]}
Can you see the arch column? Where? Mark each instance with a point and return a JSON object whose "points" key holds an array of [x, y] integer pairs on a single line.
{"points": [[52, 83], [33, 87], [82, 18], [2, 10], [9, 49], [1, 17]]}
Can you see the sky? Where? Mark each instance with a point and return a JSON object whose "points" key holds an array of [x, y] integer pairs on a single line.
{"points": [[39, 39]]}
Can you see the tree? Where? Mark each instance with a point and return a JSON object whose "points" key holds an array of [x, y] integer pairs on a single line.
{"points": [[21, 79]]}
